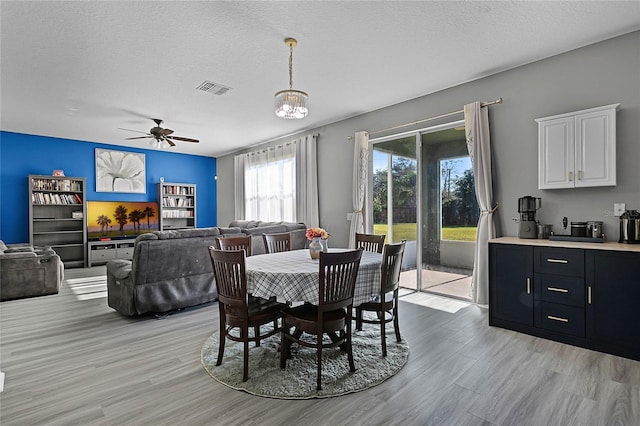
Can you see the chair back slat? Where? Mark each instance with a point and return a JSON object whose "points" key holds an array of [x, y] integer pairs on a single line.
{"points": [[230, 274], [276, 243], [370, 242], [338, 272], [391, 266], [241, 242]]}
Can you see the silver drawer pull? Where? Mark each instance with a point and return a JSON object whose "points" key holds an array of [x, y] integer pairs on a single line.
{"points": [[559, 290], [557, 261], [551, 317]]}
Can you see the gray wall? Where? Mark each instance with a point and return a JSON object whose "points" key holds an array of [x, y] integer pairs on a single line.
{"points": [[595, 75]]}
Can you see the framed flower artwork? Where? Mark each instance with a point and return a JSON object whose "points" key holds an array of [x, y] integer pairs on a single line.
{"points": [[120, 171]]}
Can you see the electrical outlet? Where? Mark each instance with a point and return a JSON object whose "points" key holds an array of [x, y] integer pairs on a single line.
{"points": [[349, 216], [618, 209]]}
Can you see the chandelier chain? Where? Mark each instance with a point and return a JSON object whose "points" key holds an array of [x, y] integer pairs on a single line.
{"points": [[290, 67]]}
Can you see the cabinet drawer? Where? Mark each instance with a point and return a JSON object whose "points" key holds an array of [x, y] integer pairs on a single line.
{"points": [[125, 252], [559, 289], [99, 255], [559, 261], [560, 318]]}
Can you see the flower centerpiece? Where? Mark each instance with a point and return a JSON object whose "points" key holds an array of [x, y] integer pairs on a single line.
{"points": [[318, 238], [317, 233]]}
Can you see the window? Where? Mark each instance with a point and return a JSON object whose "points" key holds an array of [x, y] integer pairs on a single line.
{"points": [[460, 211], [270, 184]]}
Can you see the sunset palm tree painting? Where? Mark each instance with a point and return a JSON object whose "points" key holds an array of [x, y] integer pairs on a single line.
{"points": [[149, 213], [120, 219], [104, 222]]}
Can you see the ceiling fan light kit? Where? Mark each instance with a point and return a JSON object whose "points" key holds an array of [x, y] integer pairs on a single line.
{"points": [[291, 104]]}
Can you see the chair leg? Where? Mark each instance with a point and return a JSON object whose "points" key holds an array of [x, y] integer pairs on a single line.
{"points": [[284, 345], [245, 370], [223, 336], [383, 335], [256, 333], [319, 349], [352, 366], [396, 322], [359, 319]]}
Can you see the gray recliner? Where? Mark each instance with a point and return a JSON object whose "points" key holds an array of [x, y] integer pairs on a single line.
{"points": [[27, 271]]}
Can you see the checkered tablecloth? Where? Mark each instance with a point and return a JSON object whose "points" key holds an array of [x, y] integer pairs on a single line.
{"points": [[292, 276]]}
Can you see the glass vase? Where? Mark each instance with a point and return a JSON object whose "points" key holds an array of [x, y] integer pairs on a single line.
{"points": [[315, 248], [325, 245]]}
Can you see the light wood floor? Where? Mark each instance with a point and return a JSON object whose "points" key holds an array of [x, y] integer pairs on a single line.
{"points": [[70, 359]]}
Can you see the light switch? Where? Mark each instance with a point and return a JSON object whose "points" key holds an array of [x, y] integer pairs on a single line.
{"points": [[349, 216], [618, 209]]}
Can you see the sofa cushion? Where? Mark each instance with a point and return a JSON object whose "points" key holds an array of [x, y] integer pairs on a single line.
{"points": [[271, 229], [230, 230], [187, 233], [244, 223], [19, 249], [18, 254]]}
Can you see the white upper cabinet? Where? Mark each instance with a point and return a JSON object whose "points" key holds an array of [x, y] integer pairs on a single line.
{"points": [[577, 149]]}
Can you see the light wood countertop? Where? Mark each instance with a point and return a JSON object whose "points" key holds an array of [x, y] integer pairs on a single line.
{"points": [[615, 246]]}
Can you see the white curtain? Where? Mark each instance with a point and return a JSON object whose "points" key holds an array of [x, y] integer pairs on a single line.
{"points": [[307, 181], [238, 183], [476, 124], [360, 171], [269, 184], [278, 183]]}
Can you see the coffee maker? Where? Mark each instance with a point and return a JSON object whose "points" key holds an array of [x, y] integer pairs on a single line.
{"points": [[527, 226]]}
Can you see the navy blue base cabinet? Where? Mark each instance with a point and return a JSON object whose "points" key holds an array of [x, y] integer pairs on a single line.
{"points": [[583, 297]]}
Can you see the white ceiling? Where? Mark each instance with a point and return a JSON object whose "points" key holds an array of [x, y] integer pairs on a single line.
{"points": [[83, 69]]}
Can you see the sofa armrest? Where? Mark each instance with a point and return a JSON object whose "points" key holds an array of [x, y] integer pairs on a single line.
{"points": [[119, 268], [120, 287]]}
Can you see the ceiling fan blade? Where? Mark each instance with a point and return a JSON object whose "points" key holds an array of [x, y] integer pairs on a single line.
{"points": [[129, 130], [170, 142], [139, 137], [167, 132], [178, 138]]}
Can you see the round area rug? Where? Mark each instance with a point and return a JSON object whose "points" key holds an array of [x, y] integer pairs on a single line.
{"points": [[298, 379]]}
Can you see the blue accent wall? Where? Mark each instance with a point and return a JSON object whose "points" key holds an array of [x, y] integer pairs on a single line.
{"points": [[22, 155]]}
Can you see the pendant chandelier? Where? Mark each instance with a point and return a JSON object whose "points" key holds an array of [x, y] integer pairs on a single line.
{"points": [[291, 104]]}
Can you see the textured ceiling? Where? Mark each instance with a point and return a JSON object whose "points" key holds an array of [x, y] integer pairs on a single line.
{"points": [[82, 70]]}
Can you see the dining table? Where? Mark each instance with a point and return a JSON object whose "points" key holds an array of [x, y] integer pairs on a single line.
{"points": [[293, 276]]}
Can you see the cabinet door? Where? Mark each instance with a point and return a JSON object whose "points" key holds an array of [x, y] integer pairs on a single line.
{"points": [[556, 150], [595, 162], [613, 294], [511, 283]]}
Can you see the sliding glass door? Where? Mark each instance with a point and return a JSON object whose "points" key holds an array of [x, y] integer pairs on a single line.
{"points": [[394, 194], [421, 190]]}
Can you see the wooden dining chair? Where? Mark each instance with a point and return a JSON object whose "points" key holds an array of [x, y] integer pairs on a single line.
{"points": [[332, 315], [385, 304], [370, 242], [276, 243], [239, 311], [234, 242]]}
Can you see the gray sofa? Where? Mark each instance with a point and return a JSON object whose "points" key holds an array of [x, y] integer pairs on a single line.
{"points": [[172, 269], [257, 228], [169, 270], [27, 271]]}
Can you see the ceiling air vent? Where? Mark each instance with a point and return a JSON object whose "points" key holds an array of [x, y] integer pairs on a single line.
{"points": [[215, 88]]}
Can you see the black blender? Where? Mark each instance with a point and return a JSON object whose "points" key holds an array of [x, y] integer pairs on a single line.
{"points": [[527, 226]]}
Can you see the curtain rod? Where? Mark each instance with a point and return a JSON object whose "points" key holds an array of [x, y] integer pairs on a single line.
{"points": [[482, 104]]}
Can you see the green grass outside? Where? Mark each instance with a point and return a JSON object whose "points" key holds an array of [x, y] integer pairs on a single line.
{"points": [[407, 231]]}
